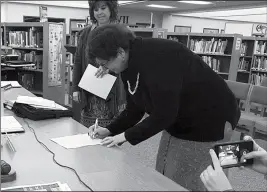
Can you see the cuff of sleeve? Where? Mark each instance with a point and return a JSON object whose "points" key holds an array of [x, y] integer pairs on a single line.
{"points": [[111, 128], [130, 139]]}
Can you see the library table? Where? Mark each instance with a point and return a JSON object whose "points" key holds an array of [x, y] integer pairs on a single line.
{"points": [[99, 167]]}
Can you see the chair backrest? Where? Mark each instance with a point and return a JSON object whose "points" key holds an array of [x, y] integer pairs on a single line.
{"points": [[239, 89], [258, 95]]}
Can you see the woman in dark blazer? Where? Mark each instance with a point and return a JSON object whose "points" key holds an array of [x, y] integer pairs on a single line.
{"points": [[183, 96]]}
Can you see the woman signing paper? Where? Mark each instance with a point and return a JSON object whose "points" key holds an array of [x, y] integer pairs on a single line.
{"points": [[183, 96]]}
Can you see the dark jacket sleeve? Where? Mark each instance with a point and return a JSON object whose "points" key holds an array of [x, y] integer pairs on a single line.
{"points": [[79, 58], [77, 67], [128, 118], [164, 87]]}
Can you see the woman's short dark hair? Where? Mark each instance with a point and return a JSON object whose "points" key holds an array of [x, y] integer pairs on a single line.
{"points": [[104, 41], [112, 5]]}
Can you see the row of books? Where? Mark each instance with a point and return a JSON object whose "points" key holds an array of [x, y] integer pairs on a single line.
{"points": [[74, 39], [212, 62], [208, 46], [244, 48], [173, 38], [260, 63], [260, 47], [31, 57], [244, 65], [257, 79], [31, 38], [26, 80]]}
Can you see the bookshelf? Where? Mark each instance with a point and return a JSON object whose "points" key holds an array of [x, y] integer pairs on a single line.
{"points": [[75, 26], [246, 58], [40, 44], [220, 51], [150, 32]]}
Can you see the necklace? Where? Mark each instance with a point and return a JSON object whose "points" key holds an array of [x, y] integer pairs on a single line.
{"points": [[136, 85]]}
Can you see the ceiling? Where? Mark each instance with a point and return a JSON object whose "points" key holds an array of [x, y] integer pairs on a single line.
{"points": [[185, 7], [141, 5]]}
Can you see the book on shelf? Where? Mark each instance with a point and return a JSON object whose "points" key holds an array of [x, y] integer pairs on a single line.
{"points": [[173, 38], [260, 47], [260, 63], [1, 37], [74, 38], [257, 79], [216, 46], [243, 65], [212, 62], [31, 57], [29, 39], [244, 48], [26, 80]]}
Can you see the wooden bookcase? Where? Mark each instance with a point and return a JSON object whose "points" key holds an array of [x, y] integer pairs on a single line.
{"points": [[246, 58], [259, 61], [220, 51], [43, 45]]}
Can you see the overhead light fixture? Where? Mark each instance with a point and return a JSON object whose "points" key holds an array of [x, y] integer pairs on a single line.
{"points": [[124, 2], [161, 6], [196, 2]]}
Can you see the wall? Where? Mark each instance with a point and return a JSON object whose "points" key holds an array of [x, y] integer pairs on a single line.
{"points": [[197, 24], [14, 12]]}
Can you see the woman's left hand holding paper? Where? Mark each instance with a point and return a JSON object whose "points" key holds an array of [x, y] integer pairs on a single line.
{"points": [[114, 141]]}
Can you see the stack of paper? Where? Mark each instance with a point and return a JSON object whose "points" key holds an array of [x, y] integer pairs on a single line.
{"points": [[56, 186], [39, 102], [13, 83], [10, 125], [98, 86], [76, 141]]}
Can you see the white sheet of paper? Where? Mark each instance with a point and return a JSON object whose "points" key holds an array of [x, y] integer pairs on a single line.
{"points": [[76, 141], [98, 86], [10, 124], [39, 101], [57, 106], [13, 83]]}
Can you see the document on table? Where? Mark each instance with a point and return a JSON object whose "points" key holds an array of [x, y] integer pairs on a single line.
{"points": [[56, 186], [10, 125], [76, 141], [13, 83], [98, 86]]}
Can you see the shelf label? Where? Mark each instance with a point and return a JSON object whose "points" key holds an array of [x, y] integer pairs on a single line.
{"points": [[238, 43]]}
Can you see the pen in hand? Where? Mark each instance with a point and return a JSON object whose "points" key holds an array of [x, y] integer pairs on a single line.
{"points": [[95, 127]]}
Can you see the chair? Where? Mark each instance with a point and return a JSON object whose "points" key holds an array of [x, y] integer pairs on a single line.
{"points": [[241, 91], [259, 95]]}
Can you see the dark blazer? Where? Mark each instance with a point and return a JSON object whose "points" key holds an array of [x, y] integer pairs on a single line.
{"points": [[182, 94]]}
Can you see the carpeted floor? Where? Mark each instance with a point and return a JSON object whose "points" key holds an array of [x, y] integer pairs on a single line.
{"points": [[241, 179]]}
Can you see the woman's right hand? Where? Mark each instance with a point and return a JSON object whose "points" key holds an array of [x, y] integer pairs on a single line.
{"points": [[99, 132], [76, 96], [259, 156]]}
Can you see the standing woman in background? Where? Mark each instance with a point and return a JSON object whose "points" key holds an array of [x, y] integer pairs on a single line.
{"points": [[101, 13]]}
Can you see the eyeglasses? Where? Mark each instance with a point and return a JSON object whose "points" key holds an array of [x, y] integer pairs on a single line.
{"points": [[103, 64]]}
